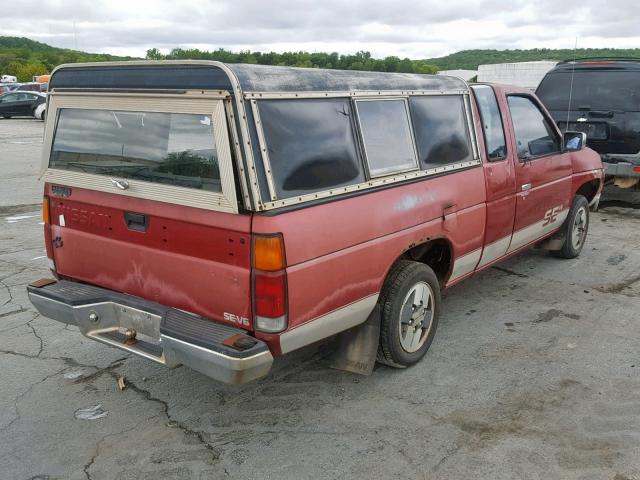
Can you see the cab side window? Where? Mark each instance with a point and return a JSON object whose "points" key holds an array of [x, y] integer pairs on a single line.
{"points": [[492, 128], [535, 137]]}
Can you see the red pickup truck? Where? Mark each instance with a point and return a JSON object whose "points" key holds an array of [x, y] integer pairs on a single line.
{"points": [[219, 215]]}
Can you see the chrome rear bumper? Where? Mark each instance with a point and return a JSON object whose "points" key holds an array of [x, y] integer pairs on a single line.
{"points": [[164, 335], [622, 168]]}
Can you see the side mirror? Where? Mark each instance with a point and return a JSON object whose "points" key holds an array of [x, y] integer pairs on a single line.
{"points": [[574, 141]]}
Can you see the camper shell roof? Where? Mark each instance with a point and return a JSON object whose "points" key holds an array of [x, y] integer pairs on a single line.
{"points": [[210, 75]]}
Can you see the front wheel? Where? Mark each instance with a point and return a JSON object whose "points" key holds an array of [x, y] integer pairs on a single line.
{"points": [[409, 305], [576, 227]]}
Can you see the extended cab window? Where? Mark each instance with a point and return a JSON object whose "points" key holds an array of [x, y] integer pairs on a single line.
{"points": [[386, 135], [441, 130], [534, 134], [491, 122], [310, 145], [168, 148]]}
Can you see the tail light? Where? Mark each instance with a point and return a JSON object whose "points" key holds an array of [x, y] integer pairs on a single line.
{"points": [[636, 169], [269, 283], [46, 217]]}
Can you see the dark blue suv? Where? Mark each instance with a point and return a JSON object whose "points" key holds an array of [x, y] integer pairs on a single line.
{"points": [[600, 97]]}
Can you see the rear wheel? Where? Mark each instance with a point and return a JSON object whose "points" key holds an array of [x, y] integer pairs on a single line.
{"points": [[6, 116], [576, 227], [409, 304]]}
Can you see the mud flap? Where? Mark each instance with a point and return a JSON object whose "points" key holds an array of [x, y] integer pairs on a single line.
{"points": [[358, 346], [553, 243]]}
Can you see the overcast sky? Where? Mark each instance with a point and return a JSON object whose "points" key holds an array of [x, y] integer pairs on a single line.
{"points": [[415, 29]]}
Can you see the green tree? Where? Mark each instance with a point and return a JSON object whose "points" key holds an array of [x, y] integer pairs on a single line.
{"points": [[154, 54]]}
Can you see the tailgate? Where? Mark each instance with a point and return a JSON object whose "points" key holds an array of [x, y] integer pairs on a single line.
{"points": [[192, 259]]}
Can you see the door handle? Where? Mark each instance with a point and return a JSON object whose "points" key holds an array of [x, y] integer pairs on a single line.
{"points": [[525, 187]]}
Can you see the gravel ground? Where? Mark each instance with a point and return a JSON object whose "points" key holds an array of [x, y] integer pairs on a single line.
{"points": [[534, 373]]}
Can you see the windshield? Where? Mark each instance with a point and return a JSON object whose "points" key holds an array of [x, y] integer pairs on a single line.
{"points": [[169, 148], [592, 89]]}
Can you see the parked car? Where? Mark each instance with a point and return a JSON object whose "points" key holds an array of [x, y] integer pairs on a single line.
{"points": [[30, 87], [21, 104], [602, 99], [227, 214]]}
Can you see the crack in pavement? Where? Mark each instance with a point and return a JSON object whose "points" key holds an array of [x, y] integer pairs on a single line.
{"points": [[33, 329], [146, 394], [199, 435], [9, 293], [20, 270], [87, 466], [14, 312], [68, 362], [24, 394]]}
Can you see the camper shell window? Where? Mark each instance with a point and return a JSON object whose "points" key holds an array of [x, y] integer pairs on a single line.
{"points": [[310, 145], [441, 130], [168, 148], [386, 136], [165, 147]]}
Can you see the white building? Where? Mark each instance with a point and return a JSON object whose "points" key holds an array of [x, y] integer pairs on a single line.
{"points": [[522, 74], [465, 75]]}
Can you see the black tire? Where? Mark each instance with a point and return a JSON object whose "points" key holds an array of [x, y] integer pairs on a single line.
{"points": [[6, 116], [404, 277], [575, 228]]}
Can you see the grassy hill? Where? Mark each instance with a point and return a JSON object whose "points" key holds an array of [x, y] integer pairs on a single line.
{"points": [[470, 59], [24, 58]]}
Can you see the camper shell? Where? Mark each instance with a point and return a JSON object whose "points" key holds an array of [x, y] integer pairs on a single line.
{"points": [[243, 89], [218, 215]]}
